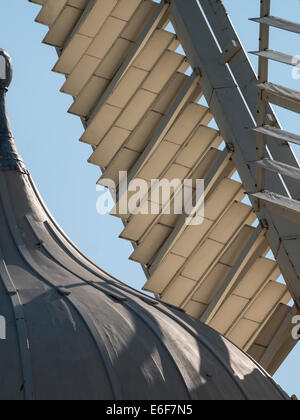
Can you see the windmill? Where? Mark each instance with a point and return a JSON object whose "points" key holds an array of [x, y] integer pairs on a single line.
{"points": [[139, 98]]}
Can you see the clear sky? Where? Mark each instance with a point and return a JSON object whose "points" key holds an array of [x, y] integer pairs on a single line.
{"points": [[47, 137]]}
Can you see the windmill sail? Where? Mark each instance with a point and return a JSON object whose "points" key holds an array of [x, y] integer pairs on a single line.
{"points": [[138, 71]]}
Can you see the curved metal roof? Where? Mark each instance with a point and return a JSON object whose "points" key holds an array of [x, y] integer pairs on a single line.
{"points": [[75, 333]]}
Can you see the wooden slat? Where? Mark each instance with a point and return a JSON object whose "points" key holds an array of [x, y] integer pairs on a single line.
{"points": [[279, 168], [83, 35], [278, 56], [108, 150], [279, 23], [189, 250], [280, 205], [278, 134], [281, 96], [164, 222], [37, 1], [221, 294], [50, 11], [176, 106], [62, 26], [275, 341]]}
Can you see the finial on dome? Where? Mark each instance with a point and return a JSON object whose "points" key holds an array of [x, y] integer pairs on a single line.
{"points": [[6, 69], [9, 157]]}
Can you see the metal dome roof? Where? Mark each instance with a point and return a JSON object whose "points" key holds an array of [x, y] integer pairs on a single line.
{"points": [[75, 333]]}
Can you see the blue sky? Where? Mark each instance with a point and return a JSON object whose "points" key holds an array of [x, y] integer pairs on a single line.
{"points": [[47, 137]]}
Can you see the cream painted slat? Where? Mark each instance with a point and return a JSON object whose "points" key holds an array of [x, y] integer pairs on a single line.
{"points": [[224, 195]]}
